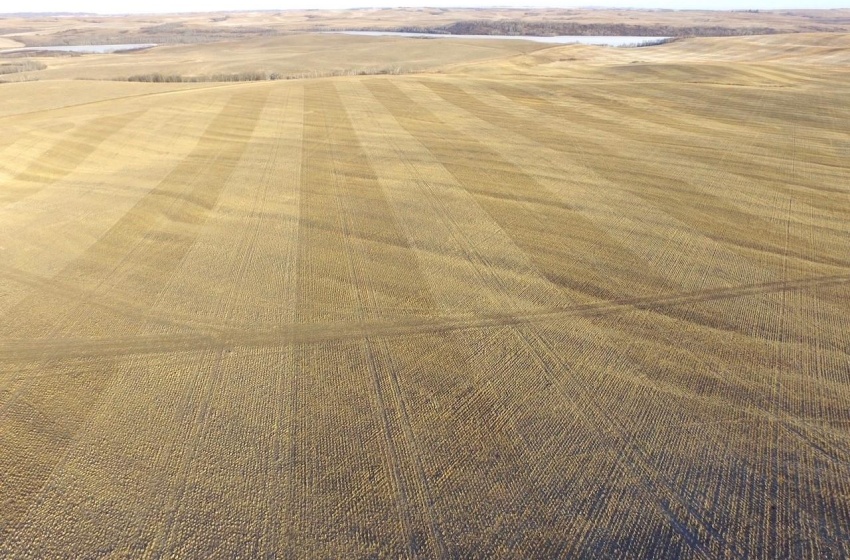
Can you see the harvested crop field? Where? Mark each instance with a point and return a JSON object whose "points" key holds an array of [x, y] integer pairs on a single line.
{"points": [[561, 302]]}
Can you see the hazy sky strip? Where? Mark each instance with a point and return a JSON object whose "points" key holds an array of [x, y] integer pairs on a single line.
{"points": [[148, 6]]}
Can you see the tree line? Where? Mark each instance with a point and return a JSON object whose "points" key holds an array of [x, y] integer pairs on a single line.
{"points": [[553, 28]]}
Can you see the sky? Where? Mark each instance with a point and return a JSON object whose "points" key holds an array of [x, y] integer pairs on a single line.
{"points": [[148, 6]]}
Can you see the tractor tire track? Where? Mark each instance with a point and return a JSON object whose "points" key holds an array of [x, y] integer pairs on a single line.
{"points": [[319, 333]]}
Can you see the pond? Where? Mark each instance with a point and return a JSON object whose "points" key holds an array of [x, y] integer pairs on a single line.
{"points": [[606, 40]]}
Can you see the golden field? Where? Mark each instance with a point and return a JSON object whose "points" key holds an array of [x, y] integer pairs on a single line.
{"points": [[520, 301]]}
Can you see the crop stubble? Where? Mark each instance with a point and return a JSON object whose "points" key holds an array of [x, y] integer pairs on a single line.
{"points": [[434, 315]]}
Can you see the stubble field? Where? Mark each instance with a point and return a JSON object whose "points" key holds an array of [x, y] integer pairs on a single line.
{"points": [[573, 302]]}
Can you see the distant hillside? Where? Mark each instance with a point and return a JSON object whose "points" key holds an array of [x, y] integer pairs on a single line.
{"points": [[46, 14], [549, 29]]}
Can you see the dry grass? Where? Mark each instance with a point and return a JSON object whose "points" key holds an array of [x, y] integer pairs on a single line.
{"points": [[550, 304]]}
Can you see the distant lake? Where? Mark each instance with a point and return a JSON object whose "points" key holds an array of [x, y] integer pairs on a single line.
{"points": [[85, 49], [606, 40]]}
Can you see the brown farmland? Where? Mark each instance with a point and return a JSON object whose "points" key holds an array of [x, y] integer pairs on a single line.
{"points": [[517, 302]]}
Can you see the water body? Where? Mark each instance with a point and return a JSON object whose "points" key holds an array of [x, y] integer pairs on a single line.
{"points": [[84, 49], [606, 40]]}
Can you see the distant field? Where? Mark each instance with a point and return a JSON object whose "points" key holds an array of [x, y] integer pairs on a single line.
{"points": [[525, 302], [207, 27], [290, 56]]}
